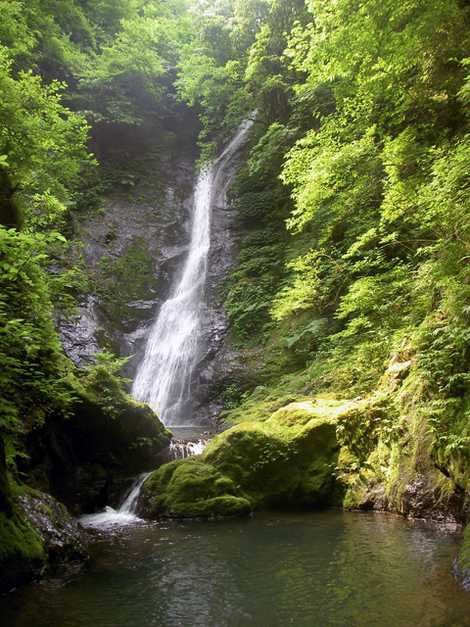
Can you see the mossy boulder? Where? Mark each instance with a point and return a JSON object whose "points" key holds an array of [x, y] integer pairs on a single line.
{"points": [[61, 536], [191, 488], [22, 552], [127, 434], [37, 535], [462, 563], [108, 439], [289, 459]]}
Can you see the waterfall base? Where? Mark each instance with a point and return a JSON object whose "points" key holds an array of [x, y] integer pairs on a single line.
{"points": [[125, 515], [189, 441]]}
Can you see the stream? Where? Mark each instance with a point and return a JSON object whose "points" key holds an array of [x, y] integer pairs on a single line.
{"points": [[277, 569]]}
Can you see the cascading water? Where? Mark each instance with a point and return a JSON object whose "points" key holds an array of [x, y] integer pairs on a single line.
{"points": [[163, 378], [125, 515]]}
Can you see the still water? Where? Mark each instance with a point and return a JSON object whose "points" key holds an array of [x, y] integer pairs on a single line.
{"points": [[306, 570]]}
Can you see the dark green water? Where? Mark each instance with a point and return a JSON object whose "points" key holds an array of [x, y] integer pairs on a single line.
{"points": [[312, 570]]}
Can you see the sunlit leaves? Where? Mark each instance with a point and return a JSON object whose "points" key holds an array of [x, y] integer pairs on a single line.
{"points": [[39, 137]]}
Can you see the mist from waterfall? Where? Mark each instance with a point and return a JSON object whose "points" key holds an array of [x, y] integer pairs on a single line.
{"points": [[164, 376]]}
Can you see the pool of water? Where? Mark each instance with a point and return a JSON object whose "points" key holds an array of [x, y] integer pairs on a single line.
{"points": [[313, 570]]}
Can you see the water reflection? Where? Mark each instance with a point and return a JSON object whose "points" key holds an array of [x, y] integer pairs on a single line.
{"points": [[319, 570]]}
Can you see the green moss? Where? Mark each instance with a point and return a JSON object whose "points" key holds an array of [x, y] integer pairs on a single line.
{"points": [[191, 488], [265, 399], [289, 459], [18, 539], [462, 563], [126, 278], [115, 426], [22, 553], [258, 406], [219, 506]]}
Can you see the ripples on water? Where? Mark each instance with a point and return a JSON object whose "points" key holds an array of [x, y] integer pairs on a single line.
{"points": [[305, 570]]}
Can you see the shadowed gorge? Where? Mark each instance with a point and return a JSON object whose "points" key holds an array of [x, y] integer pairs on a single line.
{"points": [[234, 312]]}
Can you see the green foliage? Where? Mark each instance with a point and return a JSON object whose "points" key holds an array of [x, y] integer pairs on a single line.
{"points": [[102, 384], [212, 67], [14, 32], [232, 396], [32, 365], [132, 76], [333, 184], [389, 62], [39, 137]]}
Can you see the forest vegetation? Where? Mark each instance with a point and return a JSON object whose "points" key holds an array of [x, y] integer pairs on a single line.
{"points": [[351, 281]]}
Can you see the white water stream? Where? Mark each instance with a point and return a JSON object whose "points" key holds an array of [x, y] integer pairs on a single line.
{"points": [[125, 515], [163, 378]]}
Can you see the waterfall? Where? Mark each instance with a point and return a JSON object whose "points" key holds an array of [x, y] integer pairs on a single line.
{"points": [[125, 515], [163, 378], [128, 506]]}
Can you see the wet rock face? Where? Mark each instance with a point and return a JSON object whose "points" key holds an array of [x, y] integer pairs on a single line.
{"points": [[38, 537], [420, 500], [79, 333], [62, 537], [132, 250]]}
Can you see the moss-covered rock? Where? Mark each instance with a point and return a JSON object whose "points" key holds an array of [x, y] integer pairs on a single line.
{"points": [[108, 438], [22, 553], [191, 488], [61, 536], [288, 459], [462, 563], [37, 535], [386, 462]]}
